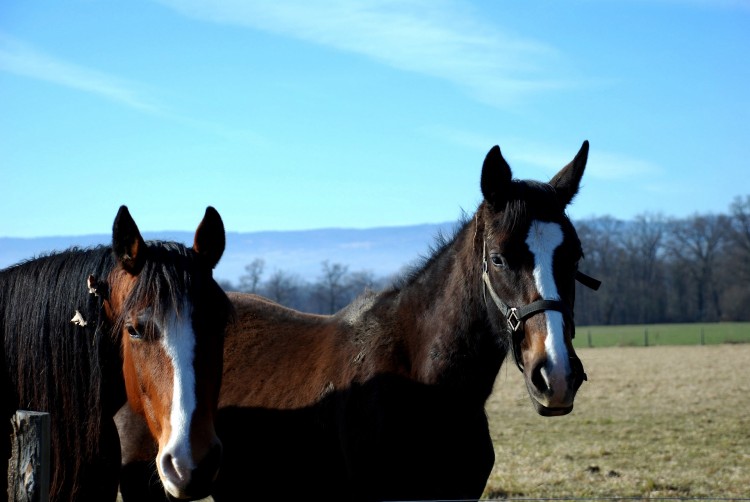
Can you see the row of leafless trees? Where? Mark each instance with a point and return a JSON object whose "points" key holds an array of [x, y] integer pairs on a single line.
{"points": [[654, 269], [658, 269], [334, 288]]}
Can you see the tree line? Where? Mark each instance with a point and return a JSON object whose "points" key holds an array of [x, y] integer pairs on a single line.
{"points": [[334, 288], [654, 269]]}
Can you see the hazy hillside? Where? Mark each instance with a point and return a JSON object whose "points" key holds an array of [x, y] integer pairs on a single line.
{"points": [[383, 251]]}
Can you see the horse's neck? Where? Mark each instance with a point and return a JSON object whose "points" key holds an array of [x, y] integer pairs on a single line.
{"points": [[449, 332]]}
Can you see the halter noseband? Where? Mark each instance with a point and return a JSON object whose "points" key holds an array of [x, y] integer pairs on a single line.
{"points": [[516, 316]]}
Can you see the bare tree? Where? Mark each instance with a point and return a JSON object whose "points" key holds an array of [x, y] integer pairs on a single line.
{"points": [[644, 281], [282, 288], [250, 281], [604, 257], [696, 245], [739, 234], [332, 288]]}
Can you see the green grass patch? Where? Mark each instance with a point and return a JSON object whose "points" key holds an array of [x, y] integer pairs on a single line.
{"points": [[640, 335]]}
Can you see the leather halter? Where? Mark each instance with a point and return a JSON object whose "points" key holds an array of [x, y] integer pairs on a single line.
{"points": [[515, 317]]}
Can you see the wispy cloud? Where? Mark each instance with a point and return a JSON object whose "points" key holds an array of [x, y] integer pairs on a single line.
{"points": [[601, 164], [545, 160], [438, 38], [19, 58], [709, 4]]}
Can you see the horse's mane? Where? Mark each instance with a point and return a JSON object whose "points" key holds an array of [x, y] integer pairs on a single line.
{"points": [[56, 365], [525, 200], [441, 243]]}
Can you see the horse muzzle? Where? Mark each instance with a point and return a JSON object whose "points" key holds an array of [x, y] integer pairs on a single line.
{"points": [[553, 392], [183, 480]]}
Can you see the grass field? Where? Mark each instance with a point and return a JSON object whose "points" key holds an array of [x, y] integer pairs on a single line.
{"points": [[650, 422], [662, 334]]}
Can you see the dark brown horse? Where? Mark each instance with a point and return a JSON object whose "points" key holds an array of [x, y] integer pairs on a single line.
{"points": [[385, 399], [84, 330]]}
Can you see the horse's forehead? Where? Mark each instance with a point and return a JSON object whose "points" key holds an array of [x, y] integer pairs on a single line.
{"points": [[523, 229], [156, 291], [544, 237]]}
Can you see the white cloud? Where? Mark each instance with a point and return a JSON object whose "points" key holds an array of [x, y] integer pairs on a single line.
{"points": [[613, 166], [600, 165], [438, 38], [19, 58], [540, 161]]}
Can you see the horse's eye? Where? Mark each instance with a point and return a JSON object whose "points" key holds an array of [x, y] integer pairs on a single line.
{"points": [[133, 332], [498, 261]]}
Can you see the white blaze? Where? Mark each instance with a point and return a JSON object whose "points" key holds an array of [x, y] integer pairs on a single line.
{"points": [[543, 239], [178, 341]]}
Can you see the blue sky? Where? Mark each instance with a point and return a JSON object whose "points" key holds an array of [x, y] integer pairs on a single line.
{"points": [[310, 114]]}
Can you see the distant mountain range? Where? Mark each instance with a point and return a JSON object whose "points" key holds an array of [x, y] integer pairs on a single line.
{"points": [[383, 251]]}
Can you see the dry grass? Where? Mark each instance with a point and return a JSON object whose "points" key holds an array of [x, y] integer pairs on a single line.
{"points": [[650, 422]]}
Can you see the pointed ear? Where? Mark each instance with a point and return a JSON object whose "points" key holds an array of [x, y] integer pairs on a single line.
{"points": [[210, 240], [496, 176], [128, 246], [567, 181]]}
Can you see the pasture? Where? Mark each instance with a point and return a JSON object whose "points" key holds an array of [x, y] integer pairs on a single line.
{"points": [[667, 421], [638, 335]]}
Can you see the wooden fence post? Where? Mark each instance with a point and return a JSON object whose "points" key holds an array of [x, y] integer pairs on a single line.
{"points": [[29, 466]]}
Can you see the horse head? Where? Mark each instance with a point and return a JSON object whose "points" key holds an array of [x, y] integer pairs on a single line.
{"points": [[171, 316], [531, 253]]}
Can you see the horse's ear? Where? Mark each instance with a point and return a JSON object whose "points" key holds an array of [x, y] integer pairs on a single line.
{"points": [[128, 246], [567, 181], [496, 177], [210, 239]]}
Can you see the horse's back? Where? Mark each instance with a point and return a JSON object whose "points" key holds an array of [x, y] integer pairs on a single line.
{"points": [[276, 357], [319, 407]]}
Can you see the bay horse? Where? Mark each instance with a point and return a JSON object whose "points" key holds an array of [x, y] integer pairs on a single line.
{"points": [[85, 330], [384, 400]]}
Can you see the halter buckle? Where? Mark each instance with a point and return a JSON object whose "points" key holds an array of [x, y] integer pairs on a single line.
{"points": [[514, 322]]}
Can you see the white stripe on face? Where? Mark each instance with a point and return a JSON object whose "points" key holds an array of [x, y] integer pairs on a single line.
{"points": [[543, 239], [179, 343]]}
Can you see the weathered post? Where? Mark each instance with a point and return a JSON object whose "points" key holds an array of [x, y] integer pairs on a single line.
{"points": [[29, 466]]}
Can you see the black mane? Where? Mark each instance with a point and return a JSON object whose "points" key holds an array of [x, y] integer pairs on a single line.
{"points": [[54, 364], [441, 243]]}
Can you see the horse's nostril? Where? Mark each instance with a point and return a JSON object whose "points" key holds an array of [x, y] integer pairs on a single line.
{"points": [[538, 379], [168, 468]]}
